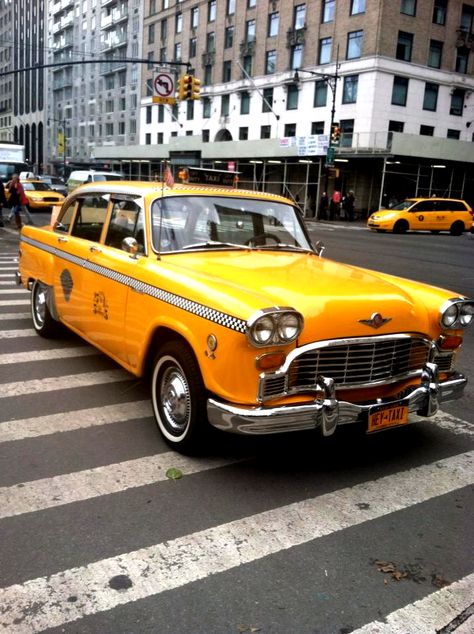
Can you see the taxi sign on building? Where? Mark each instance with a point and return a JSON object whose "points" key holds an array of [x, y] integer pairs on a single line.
{"points": [[163, 88]]}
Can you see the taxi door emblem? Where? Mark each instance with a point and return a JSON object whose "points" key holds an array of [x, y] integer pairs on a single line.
{"points": [[375, 321], [66, 283]]}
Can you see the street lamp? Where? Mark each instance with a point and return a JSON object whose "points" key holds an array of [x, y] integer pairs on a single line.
{"points": [[62, 123]]}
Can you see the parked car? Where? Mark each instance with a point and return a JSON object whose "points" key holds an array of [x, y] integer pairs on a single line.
{"points": [[424, 214], [40, 195], [79, 177], [55, 182], [220, 298]]}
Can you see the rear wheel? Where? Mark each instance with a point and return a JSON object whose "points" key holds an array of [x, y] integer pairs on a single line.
{"points": [[178, 396], [401, 226], [457, 228], [43, 322]]}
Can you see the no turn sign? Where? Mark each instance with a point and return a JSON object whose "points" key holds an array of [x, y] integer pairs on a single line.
{"points": [[163, 88]]}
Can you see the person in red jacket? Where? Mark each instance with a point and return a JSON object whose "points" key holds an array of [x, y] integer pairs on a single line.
{"points": [[18, 201]]}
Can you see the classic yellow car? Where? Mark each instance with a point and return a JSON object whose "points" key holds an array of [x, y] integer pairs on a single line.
{"points": [[424, 214], [40, 195], [218, 295]]}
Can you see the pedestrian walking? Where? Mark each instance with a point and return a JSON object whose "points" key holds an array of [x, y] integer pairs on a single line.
{"points": [[323, 206], [348, 206], [18, 201], [3, 203], [335, 204]]}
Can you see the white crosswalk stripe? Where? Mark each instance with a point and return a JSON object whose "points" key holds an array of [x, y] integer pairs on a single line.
{"points": [[14, 302], [13, 290], [4, 316], [43, 602], [47, 355], [13, 334]]}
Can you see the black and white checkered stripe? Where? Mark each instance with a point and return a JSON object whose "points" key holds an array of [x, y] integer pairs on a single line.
{"points": [[206, 312]]}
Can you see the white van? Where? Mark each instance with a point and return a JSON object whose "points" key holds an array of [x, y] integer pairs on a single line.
{"points": [[79, 177]]}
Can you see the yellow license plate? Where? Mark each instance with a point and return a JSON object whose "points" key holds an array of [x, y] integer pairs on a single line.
{"points": [[389, 416]]}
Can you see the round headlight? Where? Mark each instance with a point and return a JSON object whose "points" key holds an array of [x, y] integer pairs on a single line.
{"points": [[466, 314], [450, 315], [262, 330], [289, 327]]}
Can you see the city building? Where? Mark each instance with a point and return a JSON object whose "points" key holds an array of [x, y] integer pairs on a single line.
{"points": [[6, 82], [395, 75]]}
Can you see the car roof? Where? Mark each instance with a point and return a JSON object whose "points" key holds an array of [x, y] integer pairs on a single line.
{"points": [[415, 200], [142, 188]]}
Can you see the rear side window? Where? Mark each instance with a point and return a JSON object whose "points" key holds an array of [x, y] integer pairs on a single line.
{"points": [[90, 216]]}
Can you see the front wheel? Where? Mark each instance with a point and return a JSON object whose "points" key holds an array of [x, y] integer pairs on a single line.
{"points": [[401, 226], [178, 396], [43, 322]]}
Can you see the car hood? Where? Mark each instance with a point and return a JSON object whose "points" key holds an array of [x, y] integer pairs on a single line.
{"points": [[386, 213], [332, 297]]}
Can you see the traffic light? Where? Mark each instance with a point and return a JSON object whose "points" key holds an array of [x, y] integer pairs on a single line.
{"points": [[189, 87], [335, 134], [196, 88]]}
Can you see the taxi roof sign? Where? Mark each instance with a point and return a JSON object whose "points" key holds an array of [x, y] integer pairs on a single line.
{"points": [[205, 176]]}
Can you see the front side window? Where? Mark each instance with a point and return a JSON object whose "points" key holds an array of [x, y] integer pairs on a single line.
{"points": [[400, 91], [430, 99], [435, 54], [325, 48], [408, 7], [329, 7], [126, 221], [354, 44], [357, 6], [273, 23], [90, 217], [404, 46], [349, 91]]}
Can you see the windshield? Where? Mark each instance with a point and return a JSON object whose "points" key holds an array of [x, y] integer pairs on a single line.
{"points": [[202, 222], [36, 186], [404, 205], [107, 177]]}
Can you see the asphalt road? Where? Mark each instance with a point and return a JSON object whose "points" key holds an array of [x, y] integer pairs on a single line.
{"points": [[278, 535]]}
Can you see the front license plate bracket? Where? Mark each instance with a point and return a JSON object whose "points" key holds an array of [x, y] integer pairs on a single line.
{"points": [[386, 416]]}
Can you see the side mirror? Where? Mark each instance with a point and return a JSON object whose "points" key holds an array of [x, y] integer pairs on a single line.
{"points": [[130, 245], [320, 248]]}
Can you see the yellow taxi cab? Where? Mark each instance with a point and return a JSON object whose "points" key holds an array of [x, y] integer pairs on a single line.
{"points": [[220, 298], [40, 195], [424, 214]]}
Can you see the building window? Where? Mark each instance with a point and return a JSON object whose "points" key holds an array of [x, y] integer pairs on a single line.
{"points": [[349, 90], [404, 46], [357, 6], [159, 138], [179, 22], [230, 7], [194, 17], [426, 130], [148, 114], [273, 24], [243, 134], [290, 129], [320, 94], [206, 108], [250, 31], [207, 74], [355, 41], [244, 102], [147, 138], [151, 33], [325, 47], [177, 52], [296, 56], [453, 134], [435, 54], [267, 100], [292, 97], [152, 7], [462, 57], [226, 70], [247, 65], [317, 127], [347, 132], [396, 126], [163, 54], [211, 11], [265, 131], [299, 16], [205, 136], [439, 12], [161, 113], [467, 18], [190, 109], [164, 29], [210, 42], [408, 7], [329, 7], [399, 91], [251, 4], [270, 62], [229, 37], [430, 100], [457, 102], [192, 47], [225, 100]]}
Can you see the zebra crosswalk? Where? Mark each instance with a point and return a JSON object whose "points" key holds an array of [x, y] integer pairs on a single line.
{"points": [[104, 529]]}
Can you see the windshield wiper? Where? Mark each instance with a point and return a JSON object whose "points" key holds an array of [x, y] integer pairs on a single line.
{"points": [[212, 244], [282, 245]]}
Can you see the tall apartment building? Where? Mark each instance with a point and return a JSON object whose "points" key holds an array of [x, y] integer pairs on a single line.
{"points": [[6, 82], [397, 74], [95, 103]]}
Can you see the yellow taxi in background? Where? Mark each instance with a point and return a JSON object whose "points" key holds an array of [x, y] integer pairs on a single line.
{"points": [[40, 195], [424, 214], [220, 298]]}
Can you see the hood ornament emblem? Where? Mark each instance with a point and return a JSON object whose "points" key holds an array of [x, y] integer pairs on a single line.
{"points": [[375, 321]]}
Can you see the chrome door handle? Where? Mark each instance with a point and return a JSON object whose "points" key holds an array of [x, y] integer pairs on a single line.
{"points": [[62, 239], [94, 249]]}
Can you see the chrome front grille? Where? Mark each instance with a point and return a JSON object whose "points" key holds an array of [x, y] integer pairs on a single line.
{"points": [[350, 362]]}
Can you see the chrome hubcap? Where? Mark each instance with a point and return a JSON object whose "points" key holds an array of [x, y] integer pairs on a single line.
{"points": [[40, 306], [175, 399]]}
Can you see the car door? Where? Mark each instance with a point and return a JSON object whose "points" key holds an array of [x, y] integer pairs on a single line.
{"points": [[110, 272], [422, 216], [78, 237]]}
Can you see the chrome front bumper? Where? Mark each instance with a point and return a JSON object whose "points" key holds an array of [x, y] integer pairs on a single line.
{"points": [[327, 413]]}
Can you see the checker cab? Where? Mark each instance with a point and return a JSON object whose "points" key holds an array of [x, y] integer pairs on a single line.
{"points": [[218, 296]]}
